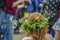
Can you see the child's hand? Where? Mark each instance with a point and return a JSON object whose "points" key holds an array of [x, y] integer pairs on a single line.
{"points": [[48, 36]]}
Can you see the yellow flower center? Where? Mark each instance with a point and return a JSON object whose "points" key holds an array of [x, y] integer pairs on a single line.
{"points": [[37, 18]]}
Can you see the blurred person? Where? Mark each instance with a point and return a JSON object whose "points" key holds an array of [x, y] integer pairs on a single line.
{"points": [[7, 16], [56, 26], [21, 9], [50, 8]]}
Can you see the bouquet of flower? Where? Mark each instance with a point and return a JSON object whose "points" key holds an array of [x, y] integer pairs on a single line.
{"points": [[35, 25]]}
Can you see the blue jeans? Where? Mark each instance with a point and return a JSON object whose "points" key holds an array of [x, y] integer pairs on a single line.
{"points": [[6, 25]]}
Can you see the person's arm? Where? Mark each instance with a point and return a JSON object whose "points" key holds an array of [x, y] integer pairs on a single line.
{"points": [[17, 3], [21, 6]]}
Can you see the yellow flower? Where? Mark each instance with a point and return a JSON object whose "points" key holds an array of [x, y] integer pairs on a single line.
{"points": [[26, 20], [37, 18], [26, 15]]}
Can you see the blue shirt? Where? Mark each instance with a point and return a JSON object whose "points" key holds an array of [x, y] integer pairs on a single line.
{"points": [[34, 6]]}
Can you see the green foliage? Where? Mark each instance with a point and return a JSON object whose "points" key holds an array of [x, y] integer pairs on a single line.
{"points": [[29, 25]]}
